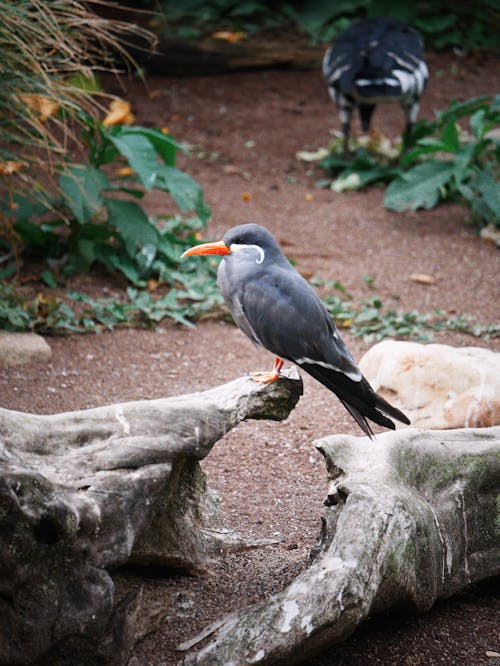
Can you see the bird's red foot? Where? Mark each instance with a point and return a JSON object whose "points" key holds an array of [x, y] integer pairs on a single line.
{"points": [[266, 377]]}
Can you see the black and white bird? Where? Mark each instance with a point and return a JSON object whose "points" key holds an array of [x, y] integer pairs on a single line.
{"points": [[374, 61], [279, 310]]}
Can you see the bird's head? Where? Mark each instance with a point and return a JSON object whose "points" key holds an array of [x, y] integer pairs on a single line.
{"points": [[243, 238]]}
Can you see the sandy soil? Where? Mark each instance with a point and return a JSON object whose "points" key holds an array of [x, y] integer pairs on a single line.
{"points": [[270, 479]]}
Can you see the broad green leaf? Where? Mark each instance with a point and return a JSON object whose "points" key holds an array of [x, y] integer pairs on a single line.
{"points": [[86, 254], [477, 123], [81, 188], [463, 169], [35, 235], [132, 224], [29, 208], [164, 144], [458, 109], [419, 187], [49, 279], [184, 189], [140, 154], [485, 201], [450, 137], [119, 262], [432, 143]]}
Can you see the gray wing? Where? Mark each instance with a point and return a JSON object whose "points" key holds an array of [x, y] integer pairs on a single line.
{"points": [[285, 315]]}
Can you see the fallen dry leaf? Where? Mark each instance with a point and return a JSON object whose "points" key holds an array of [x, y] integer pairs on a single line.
{"points": [[10, 166], [312, 155], [152, 285], [231, 168], [124, 171], [228, 36], [45, 106], [423, 278], [119, 113]]}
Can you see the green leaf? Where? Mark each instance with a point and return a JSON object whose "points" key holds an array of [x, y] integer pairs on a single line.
{"points": [[164, 144], [89, 84], [435, 24], [183, 188], [483, 194], [82, 187], [419, 187], [49, 279], [118, 262], [133, 225], [139, 152], [477, 123], [451, 141], [29, 208], [86, 253], [457, 110], [463, 160]]}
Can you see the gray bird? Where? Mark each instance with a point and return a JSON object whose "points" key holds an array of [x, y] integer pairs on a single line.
{"points": [[279, 310]]}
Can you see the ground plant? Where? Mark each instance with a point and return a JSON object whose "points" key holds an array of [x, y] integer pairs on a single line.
{"points": [[455, 157], [72, 185], [464, 25]]}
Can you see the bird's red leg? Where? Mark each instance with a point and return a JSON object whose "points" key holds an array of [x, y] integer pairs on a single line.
{"points": [[266, 377]]}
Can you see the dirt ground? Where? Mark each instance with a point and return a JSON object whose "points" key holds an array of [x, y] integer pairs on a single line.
{"points": [[270, 478]]}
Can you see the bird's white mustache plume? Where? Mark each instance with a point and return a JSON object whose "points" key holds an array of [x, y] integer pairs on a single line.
{"points": [[239, 247]]}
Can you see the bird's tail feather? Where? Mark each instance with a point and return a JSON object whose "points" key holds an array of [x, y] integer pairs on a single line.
{"points": [[390, 410], [358, 398], [359, 418]]}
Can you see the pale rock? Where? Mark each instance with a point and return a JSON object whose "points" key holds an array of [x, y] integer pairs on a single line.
{"points": [[19, 348], [437, 386]]}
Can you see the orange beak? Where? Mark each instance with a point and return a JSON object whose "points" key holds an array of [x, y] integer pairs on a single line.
{"points": [[207, 248]]}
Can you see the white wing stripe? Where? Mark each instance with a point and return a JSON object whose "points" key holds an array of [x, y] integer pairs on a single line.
{"points": [[355, 376]]}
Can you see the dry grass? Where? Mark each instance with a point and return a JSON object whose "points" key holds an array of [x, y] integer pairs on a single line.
{"points": [[45, 44]]}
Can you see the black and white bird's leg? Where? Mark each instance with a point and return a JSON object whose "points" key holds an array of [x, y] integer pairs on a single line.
{"points": [[365, 115], [266, 377], [345, 113], [410, 109]]}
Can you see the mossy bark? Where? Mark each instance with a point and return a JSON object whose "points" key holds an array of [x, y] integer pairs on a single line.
{"points": [[411, 518]]}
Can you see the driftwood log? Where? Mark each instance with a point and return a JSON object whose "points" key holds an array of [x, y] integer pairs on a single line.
{"points": [[175, 57], [410, 519], [84, 492]]}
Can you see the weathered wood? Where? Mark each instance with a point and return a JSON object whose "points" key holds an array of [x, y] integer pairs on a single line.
{"points": [[214, 56], [84, 492], [410, 519]]}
